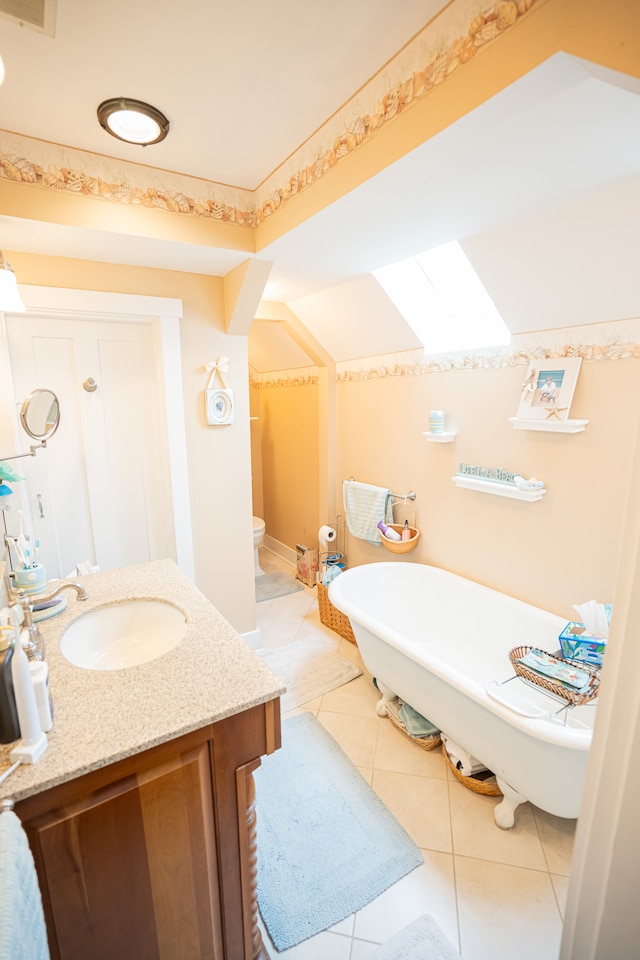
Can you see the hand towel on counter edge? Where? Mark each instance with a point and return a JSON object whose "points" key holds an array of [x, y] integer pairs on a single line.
{"points": [[365, 505], [22, 926]]}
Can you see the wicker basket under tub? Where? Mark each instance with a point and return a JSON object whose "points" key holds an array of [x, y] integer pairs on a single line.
{"points": [[333, 618], [487, 787], [425, 743]]}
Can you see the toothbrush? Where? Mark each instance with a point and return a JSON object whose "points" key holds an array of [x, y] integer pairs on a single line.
{"points": [[16, 546], [22, 541]]}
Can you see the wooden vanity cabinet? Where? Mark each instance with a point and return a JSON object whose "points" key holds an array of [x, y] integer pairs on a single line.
{"points": [[154, 857]]}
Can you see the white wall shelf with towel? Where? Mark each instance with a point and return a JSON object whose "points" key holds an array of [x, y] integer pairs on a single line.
{"points": [[445, 437], [498, 488], [551, 426]]}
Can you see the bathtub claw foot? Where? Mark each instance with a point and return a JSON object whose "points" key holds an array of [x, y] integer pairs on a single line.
{"points": [[504, 813], [387, 696]]}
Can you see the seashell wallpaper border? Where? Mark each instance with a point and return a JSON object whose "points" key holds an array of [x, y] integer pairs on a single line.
{"points": [[617, 340], [452, 39]]}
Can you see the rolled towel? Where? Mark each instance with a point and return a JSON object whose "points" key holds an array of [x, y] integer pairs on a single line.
{"points": [[461, 759]]}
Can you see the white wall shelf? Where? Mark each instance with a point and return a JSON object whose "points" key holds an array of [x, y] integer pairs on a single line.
{"points": [[551, 426], [498, 488], [445, 437]]}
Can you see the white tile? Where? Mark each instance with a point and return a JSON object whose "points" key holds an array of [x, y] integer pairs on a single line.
{"points": [[356, 735], [313, 705], [345, 927], [561, 889], [429, 888], [505, 911], [420, 804], [557, 835], [278, 630], [395, 751], [350, 651], [320, 947], [358, 697], [475, 833], [361, 949]]}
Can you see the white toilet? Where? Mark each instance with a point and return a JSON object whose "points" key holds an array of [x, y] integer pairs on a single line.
{"points": [[258, 540]]}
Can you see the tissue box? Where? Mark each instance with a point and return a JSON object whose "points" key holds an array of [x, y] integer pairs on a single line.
{"points": [[579, 645]]}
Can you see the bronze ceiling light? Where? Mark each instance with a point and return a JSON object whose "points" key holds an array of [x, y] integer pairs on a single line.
{"points": [[132, 121]]}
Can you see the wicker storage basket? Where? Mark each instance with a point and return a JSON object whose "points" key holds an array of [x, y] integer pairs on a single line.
{"points": [[333, 618], [572, 697], [400, 546], [425, 743], [473, 783]]}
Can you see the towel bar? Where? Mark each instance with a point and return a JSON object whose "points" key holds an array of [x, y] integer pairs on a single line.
{"points": [[6, 805], [399, 496]]}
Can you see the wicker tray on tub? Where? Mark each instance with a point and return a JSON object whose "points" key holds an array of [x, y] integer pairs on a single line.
{"points": [[573, 697]]}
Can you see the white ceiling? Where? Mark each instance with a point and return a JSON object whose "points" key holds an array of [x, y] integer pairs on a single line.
{"points": [[242, 82], [541, 184]]}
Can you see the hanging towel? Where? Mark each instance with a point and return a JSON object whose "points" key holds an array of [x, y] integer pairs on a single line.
{"points": [[364, 506], [22, 930]]}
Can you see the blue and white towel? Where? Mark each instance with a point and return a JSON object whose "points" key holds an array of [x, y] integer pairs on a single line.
{"points": [[364, 506], [22, 929]]}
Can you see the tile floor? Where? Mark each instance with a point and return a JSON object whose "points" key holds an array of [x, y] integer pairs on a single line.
{"points": [[493, 893]]}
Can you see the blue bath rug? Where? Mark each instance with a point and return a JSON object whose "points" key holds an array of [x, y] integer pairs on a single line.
{"points": [[327, 845]]}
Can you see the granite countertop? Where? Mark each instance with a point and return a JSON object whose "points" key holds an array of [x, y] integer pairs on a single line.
{"points": [[106, 715]]}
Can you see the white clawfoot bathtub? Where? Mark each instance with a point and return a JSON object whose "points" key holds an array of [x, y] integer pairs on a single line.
{"points": [[441, 643]]}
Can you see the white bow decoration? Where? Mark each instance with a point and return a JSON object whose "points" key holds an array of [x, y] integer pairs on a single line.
{"points": [[219, 367]]}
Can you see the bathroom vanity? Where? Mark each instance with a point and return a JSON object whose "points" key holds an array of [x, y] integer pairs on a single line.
{"points": [[140, 815]]}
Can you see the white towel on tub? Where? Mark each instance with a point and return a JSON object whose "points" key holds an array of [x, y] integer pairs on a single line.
{"points": [[364, 506], [23, 934]]}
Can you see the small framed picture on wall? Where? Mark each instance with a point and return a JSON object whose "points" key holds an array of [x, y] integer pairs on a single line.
{"points": [[547, 390]]}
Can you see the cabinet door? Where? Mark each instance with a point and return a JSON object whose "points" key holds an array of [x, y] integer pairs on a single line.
{"points": [[130, 868]]}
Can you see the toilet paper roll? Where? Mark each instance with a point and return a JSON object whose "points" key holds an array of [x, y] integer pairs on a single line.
{"points": [[326, 534]]}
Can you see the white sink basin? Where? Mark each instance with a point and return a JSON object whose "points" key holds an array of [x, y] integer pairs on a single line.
{"points": [[123, 635]]}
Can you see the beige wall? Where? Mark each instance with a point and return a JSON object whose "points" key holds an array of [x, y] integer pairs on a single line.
{"points": [[256, 453], [553, 553], [218, 457], [290, 452]]}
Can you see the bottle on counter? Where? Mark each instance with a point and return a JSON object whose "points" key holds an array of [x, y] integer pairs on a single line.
{"points": [[33, 740], [9, 723], [388, 532], [40, 676]]}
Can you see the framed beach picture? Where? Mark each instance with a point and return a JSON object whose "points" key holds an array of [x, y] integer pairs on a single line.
{"points": [[547, 390]]}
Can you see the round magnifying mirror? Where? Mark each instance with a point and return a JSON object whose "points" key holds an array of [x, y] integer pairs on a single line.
{"points": [[40, 414]]}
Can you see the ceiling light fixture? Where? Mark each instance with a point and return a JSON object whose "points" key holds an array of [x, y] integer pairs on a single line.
{"points": [[10, 301], [132, 121]]}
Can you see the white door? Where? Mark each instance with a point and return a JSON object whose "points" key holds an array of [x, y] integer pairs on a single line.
{"points": [[100, 489]]}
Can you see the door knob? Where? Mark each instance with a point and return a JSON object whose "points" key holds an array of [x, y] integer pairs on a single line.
{"points": [[90, 385]]}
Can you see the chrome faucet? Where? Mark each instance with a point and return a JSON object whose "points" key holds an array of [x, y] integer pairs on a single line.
{"points": [[35, 644]]}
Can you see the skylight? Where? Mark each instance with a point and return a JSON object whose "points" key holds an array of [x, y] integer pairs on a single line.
{"points": [[444, 301]]}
